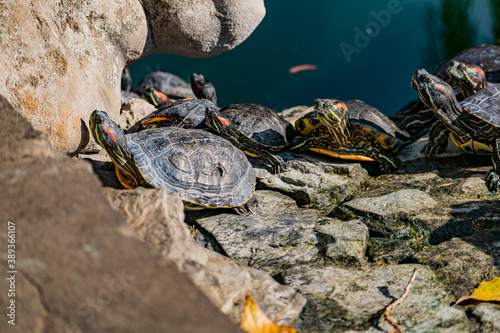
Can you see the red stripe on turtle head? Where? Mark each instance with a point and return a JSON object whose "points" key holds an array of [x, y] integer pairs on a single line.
{"points": [[478, 70], [223, 121], [109, 132], [161, 95], [341, 105], [442, 89], [198, 85]]}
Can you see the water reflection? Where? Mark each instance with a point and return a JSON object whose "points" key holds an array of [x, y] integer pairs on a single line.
{"points": [[449, 29]]}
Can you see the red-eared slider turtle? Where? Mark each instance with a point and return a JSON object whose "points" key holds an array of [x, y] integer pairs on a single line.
{"points": [[167, 83], [202, 88], [340, 138], [469, 77], [472, 124], [255, 129], [206, 170], [155, 97], [418, 118], [188, 113], [365, 117]]}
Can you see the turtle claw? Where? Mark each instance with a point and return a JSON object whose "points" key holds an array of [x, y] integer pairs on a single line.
{"points": [[493, 181], [248, 208], [432, 150]]}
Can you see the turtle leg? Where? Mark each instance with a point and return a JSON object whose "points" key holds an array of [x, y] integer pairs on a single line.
{"points": [[415, 124], [364, 144], [277, 163], [108, 166], [493, 176], [438, 139], [248, 208]]}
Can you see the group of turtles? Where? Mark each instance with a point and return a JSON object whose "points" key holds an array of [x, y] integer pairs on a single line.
{"points": [[191, 146]]}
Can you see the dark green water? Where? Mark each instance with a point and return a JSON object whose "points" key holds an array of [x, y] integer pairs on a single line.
{"points": [[363, 49]]}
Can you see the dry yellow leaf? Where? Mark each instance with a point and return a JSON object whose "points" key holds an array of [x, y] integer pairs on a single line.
{"points": [[488, 291], [254, 320]]}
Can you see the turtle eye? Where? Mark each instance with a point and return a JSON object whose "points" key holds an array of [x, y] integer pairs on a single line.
{"points": [[327, 105], [461, 67], [98, 120], [425, 79]]}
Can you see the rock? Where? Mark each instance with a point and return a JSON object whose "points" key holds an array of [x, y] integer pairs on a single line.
{"points": [[386, 251], [489, 315], [133, 111], [59, 56], [281, 235], [388, 214], [313, 181], [458, 264], [127, 96], [350, 300], [474, 186], [80, 269], [414, 150], [158, 219]]}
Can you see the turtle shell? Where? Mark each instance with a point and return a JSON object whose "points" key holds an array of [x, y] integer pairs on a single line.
{"points": [[485, 104], [188, 113], [204, 169], [167, 83], [261, 124]]}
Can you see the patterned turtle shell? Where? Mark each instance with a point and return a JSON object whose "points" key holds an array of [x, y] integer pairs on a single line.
{"points": [[484, 104], [206, 170]]}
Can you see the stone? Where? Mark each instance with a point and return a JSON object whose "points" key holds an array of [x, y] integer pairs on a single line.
{"points": [[461, 266], [313, 181], [489, 315], [353, 300], [282, 235], [133, 111], [387, 215], [79, 266], [158, 219], [474, 186], [414, 150], [63, 59]]}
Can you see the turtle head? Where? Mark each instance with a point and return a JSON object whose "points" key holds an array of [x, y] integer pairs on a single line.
{"points": [[334, 115], [471, 78], [155, 97], [107, 134], [216, 121], [202, 88], [434, 92]]}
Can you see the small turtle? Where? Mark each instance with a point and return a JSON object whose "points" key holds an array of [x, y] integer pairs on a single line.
{"points": [[155, 97], [255, 129], [206, 170], [340, 138], [202, 88], [169, 84], [417, 118], [188, 113], [473, 124], [365, 117], [469, 77]]}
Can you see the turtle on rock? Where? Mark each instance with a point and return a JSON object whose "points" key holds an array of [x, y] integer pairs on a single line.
{"points": [[473, 124], [202, 88], [255, 129], [206, 170], [339, 137], [365, 117]]}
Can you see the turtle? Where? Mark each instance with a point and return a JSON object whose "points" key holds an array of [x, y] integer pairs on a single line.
{"points": [[169, 84], [469, 77], [473, 124], [188, 113], [340, 138], [255, 129], [206, 170], [416, 118], [126, 79], [155, 97], [365, 117], [202, 88]]}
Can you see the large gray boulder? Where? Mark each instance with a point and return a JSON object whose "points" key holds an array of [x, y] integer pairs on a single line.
{"points": [[63, 59]]}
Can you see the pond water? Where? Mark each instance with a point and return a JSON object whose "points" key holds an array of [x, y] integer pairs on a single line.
{"points": [[362, 49]]}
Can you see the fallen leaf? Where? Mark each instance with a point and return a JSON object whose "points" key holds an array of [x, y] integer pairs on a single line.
{"points": [[300, 68], [254, 320], [488, 291]]}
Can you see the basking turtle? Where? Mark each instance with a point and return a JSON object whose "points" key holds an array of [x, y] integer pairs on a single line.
{"points": [[365, 117], [340, 138], [473, 124], [255, 129], [169, 84], [417, 118], [155, 97], [202, 88], [469, 77], [206, 170], [188, 113]]}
